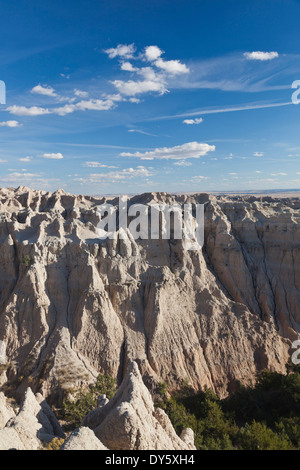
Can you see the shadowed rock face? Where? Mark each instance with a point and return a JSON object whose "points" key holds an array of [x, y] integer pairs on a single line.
{"points": [[72, 306]]}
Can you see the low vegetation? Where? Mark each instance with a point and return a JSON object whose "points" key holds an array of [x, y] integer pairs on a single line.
{"points": [[80, 401], [263, 417], [55, 444]]}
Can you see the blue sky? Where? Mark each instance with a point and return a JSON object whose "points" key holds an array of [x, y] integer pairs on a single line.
{"points": [[168, 95]]}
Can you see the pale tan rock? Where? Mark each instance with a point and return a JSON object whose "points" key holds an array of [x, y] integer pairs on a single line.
{"points": [[6, 411], [32, 425], [188, 437], [10, 440], [130, 422], [78, 307], [82, 439]]}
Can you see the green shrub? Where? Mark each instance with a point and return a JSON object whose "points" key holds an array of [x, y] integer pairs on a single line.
{"points": [[263, 417], [27, 260], [83, 401], [257, 436]]}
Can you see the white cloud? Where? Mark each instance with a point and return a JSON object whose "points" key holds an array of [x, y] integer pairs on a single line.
{"points": [[114, 97], [132, 88], [80, 93], [173, 67], [64, 110], [182, 163], [44, 90], [134, 100], [25, 159], [128, 67], [23, 111], [92, 105], [258, 154], [97, 165], [198, 179], [179, 152], [152, 53], [122, 50], [95, 105], [193, 121], [17, 178], [259, 55], [117, 176], [3, 161], [148, 73], [153, 80], [10, 124], [52, 156], [278, 174]]}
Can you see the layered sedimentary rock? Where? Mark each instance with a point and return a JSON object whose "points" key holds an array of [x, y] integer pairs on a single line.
{"points": [[73, 306]]}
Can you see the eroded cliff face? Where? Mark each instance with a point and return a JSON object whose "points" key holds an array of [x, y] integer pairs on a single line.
{"points": [[72, 306]]}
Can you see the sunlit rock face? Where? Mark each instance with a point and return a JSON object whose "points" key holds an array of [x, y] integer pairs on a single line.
{"points": [[73, 306]]}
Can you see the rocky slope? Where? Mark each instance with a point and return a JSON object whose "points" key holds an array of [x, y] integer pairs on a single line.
{"points": [[127, 422], [72, 306], [130, 422]]}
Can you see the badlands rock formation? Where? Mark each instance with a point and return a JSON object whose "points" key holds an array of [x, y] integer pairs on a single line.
{"points": [[126, 422], [83, 439], [130, 422], [34, 424], [72, 306]]}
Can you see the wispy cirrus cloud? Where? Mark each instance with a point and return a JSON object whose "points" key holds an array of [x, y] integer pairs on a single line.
{"points": [[234, 72], [139, 131], [225, 109]]}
